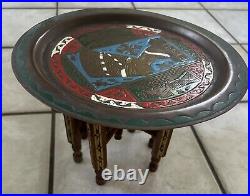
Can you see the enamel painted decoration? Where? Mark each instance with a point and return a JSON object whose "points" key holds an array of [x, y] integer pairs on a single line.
{"points": [[131, 66]]}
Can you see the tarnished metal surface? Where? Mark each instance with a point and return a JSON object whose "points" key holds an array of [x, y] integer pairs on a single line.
{"points": [[129, 69], [131, 66]]}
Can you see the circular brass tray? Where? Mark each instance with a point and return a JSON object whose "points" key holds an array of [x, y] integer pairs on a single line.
{"points": [[129, 69]]}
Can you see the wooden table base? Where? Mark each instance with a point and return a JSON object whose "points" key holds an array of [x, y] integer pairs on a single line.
{"points": [[99, 136]]}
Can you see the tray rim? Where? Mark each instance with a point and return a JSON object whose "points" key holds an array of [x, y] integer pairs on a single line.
{"points": [[232, 95]]}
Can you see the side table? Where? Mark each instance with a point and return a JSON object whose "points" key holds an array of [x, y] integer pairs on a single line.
{"points": [[112, 69]]}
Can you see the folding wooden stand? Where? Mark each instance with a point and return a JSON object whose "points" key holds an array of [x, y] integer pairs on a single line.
{"points": [[99, 136]]}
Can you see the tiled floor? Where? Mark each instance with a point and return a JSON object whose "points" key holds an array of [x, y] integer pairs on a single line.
{"points": [[210, 158], [225, 139], [197, 17], [24, 102], [26, 143], [233, 26]]}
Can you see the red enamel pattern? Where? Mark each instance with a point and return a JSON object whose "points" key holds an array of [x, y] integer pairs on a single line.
{"points": [[121, 93], [56, 65], [118, 93]]}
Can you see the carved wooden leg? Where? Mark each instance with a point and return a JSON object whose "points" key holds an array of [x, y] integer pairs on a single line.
{"points": [[74, 136], [160, 145], [150, 142], [98, 150], [118, 134], [84, 130], [68, 128]]}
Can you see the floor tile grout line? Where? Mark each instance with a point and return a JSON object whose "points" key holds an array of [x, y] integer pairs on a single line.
{"points": [[7, 47], [222, 26], [57, 6], [236, 10], [242, 45], [238, 44], [133, 4], [222, 9], [52, 154], [194, 9], [162, 8], [210, 164], [28, 8], [25, 113], [244, 101]]}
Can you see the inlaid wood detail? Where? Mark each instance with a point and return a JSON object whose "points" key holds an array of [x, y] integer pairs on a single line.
{"points": [[74, 136], [159, 148], [98, 150]]}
